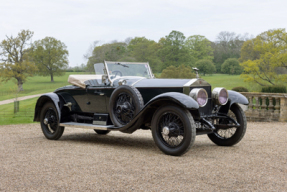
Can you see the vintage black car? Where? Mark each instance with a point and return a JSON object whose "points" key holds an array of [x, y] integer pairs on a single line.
{"points": [[124, 96]]}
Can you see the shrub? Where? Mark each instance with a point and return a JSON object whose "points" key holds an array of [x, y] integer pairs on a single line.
{"points": [[240, 89], [205, 66], [274, 89], [231, 66]]}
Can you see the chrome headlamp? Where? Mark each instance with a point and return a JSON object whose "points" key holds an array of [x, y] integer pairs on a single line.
{"points": [[220, 95], [199, 95]]}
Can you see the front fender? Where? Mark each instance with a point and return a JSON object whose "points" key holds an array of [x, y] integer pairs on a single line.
{"points": [[179, 98], [233, 97], [163, 99], [48, 97]]}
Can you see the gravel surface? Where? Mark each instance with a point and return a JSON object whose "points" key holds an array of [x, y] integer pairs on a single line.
{"points": [[84, 161]]}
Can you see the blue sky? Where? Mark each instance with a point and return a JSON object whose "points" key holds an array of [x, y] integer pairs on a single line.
{"points": [[78, 23]]}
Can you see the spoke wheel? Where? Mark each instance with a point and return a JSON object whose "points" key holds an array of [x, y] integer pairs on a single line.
{"points": [[170, 126], [125, 103], [173, 130], [50, 122], [230, 136], [124, 108]]}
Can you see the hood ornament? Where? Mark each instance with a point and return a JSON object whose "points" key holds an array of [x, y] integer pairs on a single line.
{"points": [[196, 71]]}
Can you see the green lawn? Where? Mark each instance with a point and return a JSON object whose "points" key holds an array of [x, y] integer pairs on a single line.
{"points": [[25, 114], [34, 85], [229, 81]]}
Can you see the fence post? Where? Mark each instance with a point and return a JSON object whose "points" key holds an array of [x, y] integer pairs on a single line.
{"points": [[283, 108], [16, 106]]}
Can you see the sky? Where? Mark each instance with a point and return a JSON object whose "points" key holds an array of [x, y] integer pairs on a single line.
{"points": [[78, 23]]}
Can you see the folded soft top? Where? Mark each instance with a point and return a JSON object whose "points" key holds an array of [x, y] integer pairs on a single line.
{"points": [[82, 80]]}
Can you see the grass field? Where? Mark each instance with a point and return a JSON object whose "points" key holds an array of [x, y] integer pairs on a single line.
{"points": [[229, 81], [25, 114], [37, 84], [34, 85]]}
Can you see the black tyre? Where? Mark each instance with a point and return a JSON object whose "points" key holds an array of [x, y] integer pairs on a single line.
{"points": [[50, 122], [125, 103], [230, 136], [102, 132], [173, 130]]}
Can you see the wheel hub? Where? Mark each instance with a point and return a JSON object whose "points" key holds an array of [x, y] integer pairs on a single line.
{"points": [[165, 130], [124, 106], [46, 121]]}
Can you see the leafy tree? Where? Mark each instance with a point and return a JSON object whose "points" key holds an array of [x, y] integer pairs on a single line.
{"points": [[143, 49], [172, 50], [231, 66], [184, 72], [205, 66], [227, 45], [271, 54], [114, 51], [50, 56], [248, 52], [15, 57], [199, 48]]}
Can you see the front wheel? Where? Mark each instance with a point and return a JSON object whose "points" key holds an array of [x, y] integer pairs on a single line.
{"points": [[50, 122], [173, 130], [230, 136]]}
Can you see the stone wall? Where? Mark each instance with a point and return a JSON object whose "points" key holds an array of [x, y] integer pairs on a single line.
{"points": [[266, 106]]}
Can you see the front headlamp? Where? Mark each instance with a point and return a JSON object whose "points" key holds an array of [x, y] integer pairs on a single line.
{"points": [[220, 95], [199, 95]]}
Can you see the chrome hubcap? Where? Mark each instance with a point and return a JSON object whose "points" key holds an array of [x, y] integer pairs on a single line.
{"points": [[165, 130], [46, 121]]}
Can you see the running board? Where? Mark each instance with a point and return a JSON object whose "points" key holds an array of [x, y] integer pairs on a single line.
{"points": [[86, 126]]}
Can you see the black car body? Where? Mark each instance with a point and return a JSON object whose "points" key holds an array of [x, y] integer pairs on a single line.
{"points": [[125, 96]]}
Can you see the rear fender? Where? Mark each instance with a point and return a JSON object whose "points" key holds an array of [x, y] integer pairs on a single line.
{"points": [[233, 97], [43, 99]]}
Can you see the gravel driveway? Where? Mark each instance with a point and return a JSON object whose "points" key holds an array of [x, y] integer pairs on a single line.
{"points": [[84, 161]]}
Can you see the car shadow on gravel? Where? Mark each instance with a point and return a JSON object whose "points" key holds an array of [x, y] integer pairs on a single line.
{"points": [[110, 140], [129, 141]]}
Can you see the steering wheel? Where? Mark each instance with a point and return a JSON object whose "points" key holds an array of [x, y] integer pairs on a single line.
{"points": [[115, 73]]}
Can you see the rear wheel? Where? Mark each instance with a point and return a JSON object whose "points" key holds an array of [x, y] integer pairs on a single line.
{"points": [[49, 120], [230, 136], [102, 132], [173, 130]]}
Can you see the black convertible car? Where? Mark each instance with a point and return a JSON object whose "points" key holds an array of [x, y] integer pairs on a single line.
{"points": [[124, 96]]}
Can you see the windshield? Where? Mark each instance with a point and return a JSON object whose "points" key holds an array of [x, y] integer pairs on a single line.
{"points": [[128, 69]]}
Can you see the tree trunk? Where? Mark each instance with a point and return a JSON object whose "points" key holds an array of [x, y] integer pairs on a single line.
{"points": [[52, 77], [20, 85]]}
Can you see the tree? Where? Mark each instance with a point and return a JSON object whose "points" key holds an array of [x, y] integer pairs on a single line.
{"points": [[205, 66], [50, 55], [231, 66], [267, 54], [172, 50], [227, 45], [199, 48], [110, 52], [15, 57], [184, 72], [143, 49]]}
